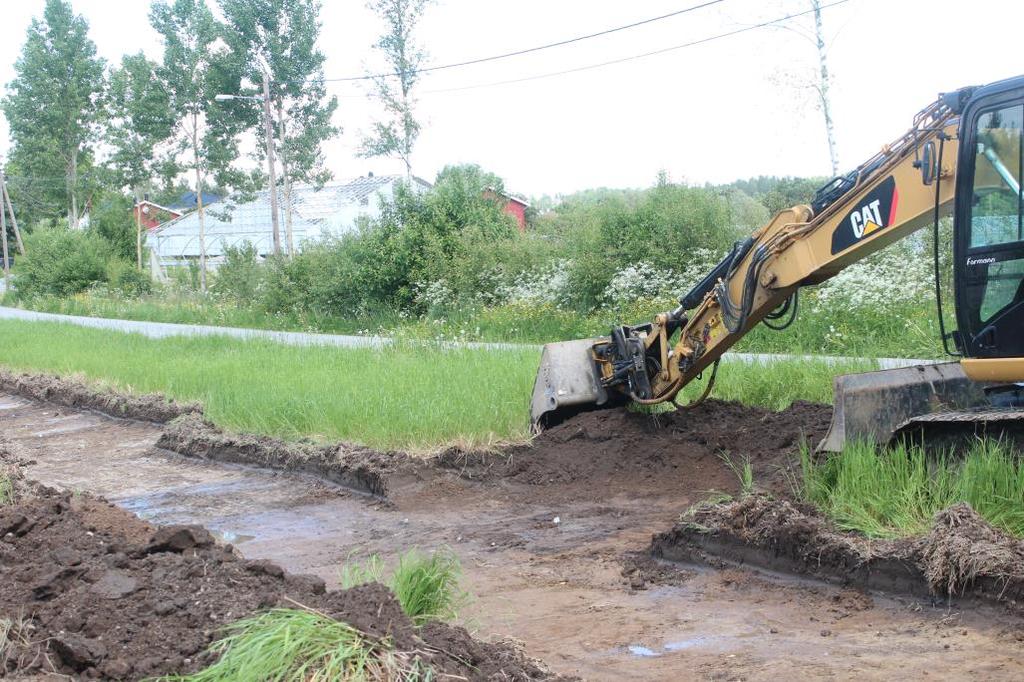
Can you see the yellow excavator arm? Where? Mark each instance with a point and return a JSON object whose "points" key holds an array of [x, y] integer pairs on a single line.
{"points": [[909, 184]]}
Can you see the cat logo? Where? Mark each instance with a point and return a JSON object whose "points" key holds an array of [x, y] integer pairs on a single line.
{"points": [[876, 211], [867, 220]]}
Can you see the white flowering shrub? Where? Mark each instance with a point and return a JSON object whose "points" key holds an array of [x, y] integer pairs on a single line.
{"points": [[698, 264], [889, 280], [436, 294], [644, 281], [549, 284], [638, 281]]}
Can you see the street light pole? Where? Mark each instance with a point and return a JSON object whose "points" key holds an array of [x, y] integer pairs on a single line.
{"points": [[268, 131], [271, 171]]}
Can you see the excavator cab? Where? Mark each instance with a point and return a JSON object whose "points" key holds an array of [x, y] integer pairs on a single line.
{"points": [[984, 391], [989, 235]]}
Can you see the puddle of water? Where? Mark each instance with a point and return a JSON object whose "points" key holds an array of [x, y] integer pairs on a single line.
{"points": [[684, 644], [638, 650], [233, 537], [60, 430]]}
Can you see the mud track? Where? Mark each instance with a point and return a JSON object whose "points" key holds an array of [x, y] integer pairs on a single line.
{"points": [[554, 540]]}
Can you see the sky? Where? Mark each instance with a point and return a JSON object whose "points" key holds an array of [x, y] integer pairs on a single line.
{"points": [[729, 108]]}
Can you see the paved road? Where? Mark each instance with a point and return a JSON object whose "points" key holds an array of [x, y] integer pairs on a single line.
{"points": [[160, 330]]}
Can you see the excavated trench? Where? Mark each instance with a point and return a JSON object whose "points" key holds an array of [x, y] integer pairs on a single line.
{"points": [[557, 539]]}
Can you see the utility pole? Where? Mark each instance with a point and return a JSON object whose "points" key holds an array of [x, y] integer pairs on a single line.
{"points": [[271, 171], [5, 198], [7, 262], [138, 230], [268, 132]]}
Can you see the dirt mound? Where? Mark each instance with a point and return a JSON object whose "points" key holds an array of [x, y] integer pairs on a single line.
{"points": [[152, 407], [93, 591], [352, 466], [678, 451], [964, 552], [962, 556]]}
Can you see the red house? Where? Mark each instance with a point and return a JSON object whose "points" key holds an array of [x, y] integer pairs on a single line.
{"points": [[513, 206], [152, 215]]}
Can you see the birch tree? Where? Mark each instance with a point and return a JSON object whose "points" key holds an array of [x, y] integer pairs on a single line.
{"points": [[397, 133], [823, 86], [139, 119], [278, 37], [197, 65], [807, 24], [53, 106]]}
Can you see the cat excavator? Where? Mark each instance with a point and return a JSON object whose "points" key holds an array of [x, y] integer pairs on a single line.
{"points": [[963, 155]]}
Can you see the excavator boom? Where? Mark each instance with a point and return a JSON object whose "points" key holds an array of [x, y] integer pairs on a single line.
{"points": [[910, 183]]}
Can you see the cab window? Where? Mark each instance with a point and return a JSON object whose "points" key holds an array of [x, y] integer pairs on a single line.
{"points": [[995, 264], [996, 217]]}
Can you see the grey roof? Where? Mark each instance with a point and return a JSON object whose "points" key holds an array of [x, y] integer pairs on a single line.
{"points": [[362, 188], [314, 212]]}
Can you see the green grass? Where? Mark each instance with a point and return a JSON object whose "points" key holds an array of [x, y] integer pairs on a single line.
{"points": [[896, 492], [425, 585], [776, 385], [6, 490], [398, 397], [409, 396], [743, 470], [299, 645]]}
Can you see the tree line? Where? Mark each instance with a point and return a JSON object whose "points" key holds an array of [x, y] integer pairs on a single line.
{"points": [[82, 128]]}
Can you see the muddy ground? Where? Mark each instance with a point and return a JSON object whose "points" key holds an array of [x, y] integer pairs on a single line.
{"points": [[555, 542], [94, 591]]}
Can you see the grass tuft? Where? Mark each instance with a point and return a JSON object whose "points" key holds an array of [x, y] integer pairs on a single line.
{"points": [[15, 643], [299, 645], [425, 585], [743, 470], [896, 492], [6, 489]]}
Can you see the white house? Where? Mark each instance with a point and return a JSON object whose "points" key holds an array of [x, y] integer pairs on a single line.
{"points": [[333, 210]]}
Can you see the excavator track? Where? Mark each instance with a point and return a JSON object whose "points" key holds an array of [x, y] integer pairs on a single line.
{"points": [[951, 427]]}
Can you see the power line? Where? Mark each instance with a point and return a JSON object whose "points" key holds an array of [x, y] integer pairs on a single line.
{"points": [[528, 50], [637, 56]]}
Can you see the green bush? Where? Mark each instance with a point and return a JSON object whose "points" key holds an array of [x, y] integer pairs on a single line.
{"points": [[128, 280], [61, 262], [604, 231], [452, 233], [112, 219], [240, 277]]}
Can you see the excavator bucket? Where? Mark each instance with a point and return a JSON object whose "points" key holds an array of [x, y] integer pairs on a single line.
{"points": [[566, 384], [875, 406]]}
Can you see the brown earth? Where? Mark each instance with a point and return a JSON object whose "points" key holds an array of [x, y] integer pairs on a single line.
{"points": [[353, 466], [616, 451], [962, 556], [151, 407], [97, 592], [554, 539]]}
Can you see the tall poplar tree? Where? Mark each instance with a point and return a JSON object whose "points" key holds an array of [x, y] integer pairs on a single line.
{"points": [[396, 135], [53, 106], [198, 65], [278, 37], [139, 119]]}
